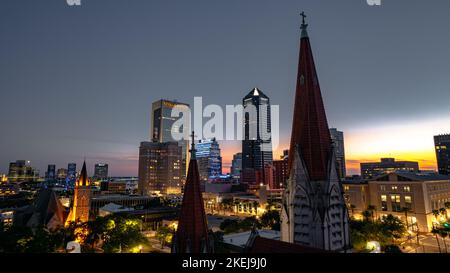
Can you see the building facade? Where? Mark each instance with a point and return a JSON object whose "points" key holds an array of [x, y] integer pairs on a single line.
{"points": [[387, 165], [71, 172], [209, 159], [281, 173], [236, 166], [257, 143], [417, 193], [101, 171], [337, 138], [21, 171], [442, 145], [162, 126], [160, 168], [50, 175]]}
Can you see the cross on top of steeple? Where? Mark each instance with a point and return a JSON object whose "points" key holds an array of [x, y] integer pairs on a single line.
{"points": [[192, 150]]}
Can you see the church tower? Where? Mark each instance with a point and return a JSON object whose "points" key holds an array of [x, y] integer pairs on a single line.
{"points": [[192, 235], [81, 199], [313, 212]]}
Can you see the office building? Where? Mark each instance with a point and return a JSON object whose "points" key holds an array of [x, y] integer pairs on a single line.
{"points": [[236, 166], [421, 193], [160, 168], [21, 171], [257, 143], [61, 174], [71, 172], [281, 173], [337, 137], [209, 159], [162, 127], [101, 171], [387, 165], [442, 145], [50, 175]]}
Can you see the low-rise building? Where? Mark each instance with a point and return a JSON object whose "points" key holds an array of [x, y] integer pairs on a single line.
{"points": [[410, 196], [387, 165]]}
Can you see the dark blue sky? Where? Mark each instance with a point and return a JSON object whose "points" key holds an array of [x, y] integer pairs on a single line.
{"points": [[79, 81]]}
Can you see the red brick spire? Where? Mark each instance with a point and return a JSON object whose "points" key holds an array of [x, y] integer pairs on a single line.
{"points": [[310, 132], [192, 233]]}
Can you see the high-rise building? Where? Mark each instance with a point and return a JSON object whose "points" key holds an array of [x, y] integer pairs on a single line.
{"points": [[387, 165], [208, 159], [337, 137], [442, 145], [51, 173], [71, 172], [281, 173], [81, 203], [257, 143], [160, 168], [162, 126], [61, 174], [236, 166], [307, 218], [21, 171], [192, 235], [101, 171]]}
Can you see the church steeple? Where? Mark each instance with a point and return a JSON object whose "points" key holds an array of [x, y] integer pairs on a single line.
{"points": [[310, 132], [83, 180], [81, 203], [192, 233]]}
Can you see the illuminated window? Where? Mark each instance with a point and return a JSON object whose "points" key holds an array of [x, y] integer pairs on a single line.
{"points": [[394, 188], [395, 202], [346, 188], [384, 203], [407, 188]]}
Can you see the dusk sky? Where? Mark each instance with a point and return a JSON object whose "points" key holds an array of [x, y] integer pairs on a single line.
{"points": [[78, 82]]}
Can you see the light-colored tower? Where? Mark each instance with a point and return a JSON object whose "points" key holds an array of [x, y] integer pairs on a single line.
{"points": [[81, 199]]}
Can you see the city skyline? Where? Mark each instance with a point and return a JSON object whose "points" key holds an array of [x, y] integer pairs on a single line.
{"points": [[96, 103]]}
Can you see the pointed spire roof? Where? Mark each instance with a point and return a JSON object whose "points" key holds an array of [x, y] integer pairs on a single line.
{"points": [[192, 232], [310, 132], [255, 92], [83, 180]]}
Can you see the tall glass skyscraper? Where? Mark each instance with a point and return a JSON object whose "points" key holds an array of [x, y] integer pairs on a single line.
{"points": [[442, 145], [257, 143], [209, 159], [162, 126], [337, 138]]}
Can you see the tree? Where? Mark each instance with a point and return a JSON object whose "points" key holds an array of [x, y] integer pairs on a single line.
{"points": [[393, 226], [230, 226], [372, 209], [352, 209], [436, 214], [435, 232], [366, 215], [271, 219], [164, 235], [406, 210], [444, 235], [443, 212]]}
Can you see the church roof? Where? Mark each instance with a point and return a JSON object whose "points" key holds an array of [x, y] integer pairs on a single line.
{"points": [[192, 234], [83, 180], [310, 132], [264, 245]]}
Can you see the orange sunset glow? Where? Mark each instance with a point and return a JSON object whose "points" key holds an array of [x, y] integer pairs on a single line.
{"points": [[409, 140]]}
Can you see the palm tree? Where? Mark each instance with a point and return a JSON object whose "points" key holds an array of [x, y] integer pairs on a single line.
{"points": [[372, 208], [447, 206], [444, 235], [436, 214], [443, 212], [435, 232], [406, 210]]}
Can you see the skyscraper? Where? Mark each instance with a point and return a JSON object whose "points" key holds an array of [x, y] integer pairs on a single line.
{"points": [[313, 212], [162, 126], [236, 165], [208, 158], [160, 168], [442, 145], [71, 172], [337, 137], [21, 170], [257, 143], [101, 171], [192, 235], [51, 172]]}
